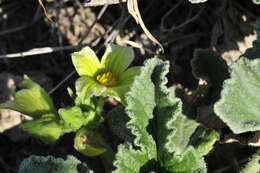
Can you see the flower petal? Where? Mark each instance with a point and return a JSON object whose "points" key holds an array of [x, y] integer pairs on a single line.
{"points": [[85, 62], [87, 87], [127, 77], [116, 59]]}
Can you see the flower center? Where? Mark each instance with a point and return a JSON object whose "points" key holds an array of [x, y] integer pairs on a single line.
{"points": [[106, 79]]}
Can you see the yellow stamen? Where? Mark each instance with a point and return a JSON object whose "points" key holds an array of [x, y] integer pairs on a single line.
{"points": [[106, 79]]}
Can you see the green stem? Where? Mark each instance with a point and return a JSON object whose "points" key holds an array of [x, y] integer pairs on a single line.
{"points": [[100, 105], [108, 158]]}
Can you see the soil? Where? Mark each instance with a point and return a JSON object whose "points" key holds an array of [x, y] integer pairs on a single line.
{"points": [[226, 27]]}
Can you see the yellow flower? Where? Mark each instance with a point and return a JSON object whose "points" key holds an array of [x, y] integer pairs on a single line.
{"points": [[110, 77]]}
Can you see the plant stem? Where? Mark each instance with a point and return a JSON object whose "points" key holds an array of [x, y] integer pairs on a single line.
{"points": [[107, 158]]}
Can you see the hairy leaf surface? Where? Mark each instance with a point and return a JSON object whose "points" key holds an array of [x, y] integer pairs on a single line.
{"points": [[239, 104], [253, 166], [256, 1], [50, 164], [141, 102], [162, 133]]}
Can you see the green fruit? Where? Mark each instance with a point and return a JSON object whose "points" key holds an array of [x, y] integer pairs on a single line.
{"points": [[89, 142]]}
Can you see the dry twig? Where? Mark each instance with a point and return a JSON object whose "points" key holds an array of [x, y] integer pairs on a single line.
{"points": [[133, 9], [91, 3], [39, 51]]}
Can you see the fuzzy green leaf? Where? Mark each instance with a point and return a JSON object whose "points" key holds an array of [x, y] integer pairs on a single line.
{"points": [[50, 164], [179, 155], [173, 130], [188, 162], [47, 128], [33, 101], [204, 139], [151, 102], [256, 1], [179, 139], [253, 166], [129, 160], [141, 102], [239, 104]]}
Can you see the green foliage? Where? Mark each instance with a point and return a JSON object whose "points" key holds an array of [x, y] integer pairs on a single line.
{"points": [[162, 133], [48, 128], [256, 1], [203, 140], [239, 103], [141, 103], [253, 166], [74, 118], [50, 124], [50, 164], [157, 136], [209, 66], [33, 100]]}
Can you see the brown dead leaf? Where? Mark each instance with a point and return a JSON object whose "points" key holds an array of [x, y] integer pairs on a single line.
{"points": [[133, 9]]}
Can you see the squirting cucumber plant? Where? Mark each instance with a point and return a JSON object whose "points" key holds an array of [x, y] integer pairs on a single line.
{"points": [[157, 136]]}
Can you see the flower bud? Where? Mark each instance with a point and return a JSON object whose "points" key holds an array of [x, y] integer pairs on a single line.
{"points": [[89, 142]]}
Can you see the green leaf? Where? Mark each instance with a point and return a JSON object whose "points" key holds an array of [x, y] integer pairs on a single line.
{"points": [[33, 101], [73, 117], [116, 59], [50, 164], [204, 139], [129, 160], [173, 130], [209, 66], [141, 102], [86, 62], [239, 104], [47, 128], [189, 162], [182, 129], [152, 107], [256, 1], [253, 166]]}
